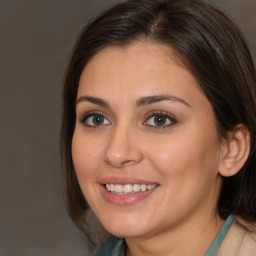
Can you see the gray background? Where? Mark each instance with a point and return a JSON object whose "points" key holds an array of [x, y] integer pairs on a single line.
{"points": [[36, 38]]}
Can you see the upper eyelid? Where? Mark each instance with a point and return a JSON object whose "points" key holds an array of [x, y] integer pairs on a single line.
{"points": [[161, 112], [146, 116], [93, 112], [84, 118], [173, 120]]}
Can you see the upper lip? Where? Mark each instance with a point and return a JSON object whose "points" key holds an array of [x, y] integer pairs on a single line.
{"points": [[125, 180]]}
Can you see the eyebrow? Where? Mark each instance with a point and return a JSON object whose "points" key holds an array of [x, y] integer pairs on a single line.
{"points": [[157, 98], [139, 103], [93, 100]]}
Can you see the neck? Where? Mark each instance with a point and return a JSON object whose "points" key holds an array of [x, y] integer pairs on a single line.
{"points": [[190, 238]]}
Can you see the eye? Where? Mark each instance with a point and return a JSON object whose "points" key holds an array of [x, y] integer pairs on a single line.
{"points": [[94, 120], [160, 120]]}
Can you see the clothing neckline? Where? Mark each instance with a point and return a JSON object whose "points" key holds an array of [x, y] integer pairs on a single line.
{"points": [[115, 246], [220, 237]]}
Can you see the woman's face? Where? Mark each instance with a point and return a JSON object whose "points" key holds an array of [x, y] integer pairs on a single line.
{"points": [[147, 133]]}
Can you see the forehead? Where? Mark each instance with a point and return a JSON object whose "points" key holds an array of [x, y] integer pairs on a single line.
{"points": [[137, 70]]}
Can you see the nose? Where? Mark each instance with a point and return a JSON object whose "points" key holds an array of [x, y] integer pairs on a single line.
{"points": [[123, 148]]}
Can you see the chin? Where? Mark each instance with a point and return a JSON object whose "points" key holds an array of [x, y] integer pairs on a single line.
{"points": [[126, 232], [125, 228]]}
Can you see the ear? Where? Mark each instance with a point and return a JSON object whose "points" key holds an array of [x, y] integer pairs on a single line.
{"points": [[235, 151]]}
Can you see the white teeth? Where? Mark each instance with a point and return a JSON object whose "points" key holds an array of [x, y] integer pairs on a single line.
{"points": [[128, 188], [136, 187], [118, 188]]}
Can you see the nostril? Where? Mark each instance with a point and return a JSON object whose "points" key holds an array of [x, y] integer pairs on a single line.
{"points": [[121, 150], [128, 162]]}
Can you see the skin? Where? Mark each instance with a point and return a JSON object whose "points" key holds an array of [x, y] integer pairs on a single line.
{"points": [[183, 157]]}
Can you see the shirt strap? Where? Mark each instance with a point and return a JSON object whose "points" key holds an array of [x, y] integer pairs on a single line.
{"points": [[220, 237]]}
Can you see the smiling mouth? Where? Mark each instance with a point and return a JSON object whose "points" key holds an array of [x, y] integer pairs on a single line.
{"points": [[129, 188]]}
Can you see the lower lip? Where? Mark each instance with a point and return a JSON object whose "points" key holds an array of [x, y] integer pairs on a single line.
{"points": [[126, 199]]}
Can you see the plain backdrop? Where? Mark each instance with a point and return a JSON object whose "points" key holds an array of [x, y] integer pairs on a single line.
{"points": [[36, 38]]}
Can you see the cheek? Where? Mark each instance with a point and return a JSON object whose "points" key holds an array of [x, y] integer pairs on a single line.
{"points": [[84, 155], [184, 156], [187, 167]]}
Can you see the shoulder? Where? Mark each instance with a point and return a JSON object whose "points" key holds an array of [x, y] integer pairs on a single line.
{"points": [[113, 246], [248, 244], [240, 239]]}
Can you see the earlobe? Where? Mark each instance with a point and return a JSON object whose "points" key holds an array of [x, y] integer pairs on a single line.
{"points": [[235, 151]]}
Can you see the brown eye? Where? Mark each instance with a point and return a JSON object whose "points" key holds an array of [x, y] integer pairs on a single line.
{"points": [[94, 120], [160, 120], [98, 120]]}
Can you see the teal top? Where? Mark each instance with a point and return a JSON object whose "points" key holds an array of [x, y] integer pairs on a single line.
{"points": [[220, 237], [115, 246]]}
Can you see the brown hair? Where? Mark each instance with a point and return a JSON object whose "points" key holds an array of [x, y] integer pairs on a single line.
{"points": [[210, 46]]}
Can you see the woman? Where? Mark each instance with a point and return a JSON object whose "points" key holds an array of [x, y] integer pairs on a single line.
{"points": [[159, 130]]}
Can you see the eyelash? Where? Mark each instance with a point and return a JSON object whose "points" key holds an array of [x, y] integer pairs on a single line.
{"points": [[161, 114], [84, 119]]}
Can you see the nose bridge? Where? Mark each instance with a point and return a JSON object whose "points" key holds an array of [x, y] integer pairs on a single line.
{"points": [[122, 147]]}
